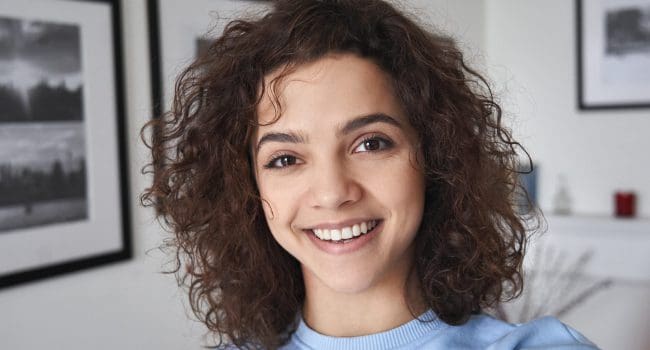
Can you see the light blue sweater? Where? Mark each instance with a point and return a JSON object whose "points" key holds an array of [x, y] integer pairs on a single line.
{"points": [[429, 332]]}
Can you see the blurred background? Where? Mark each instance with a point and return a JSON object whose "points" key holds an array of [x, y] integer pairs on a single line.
{"points": [[591, 268]]}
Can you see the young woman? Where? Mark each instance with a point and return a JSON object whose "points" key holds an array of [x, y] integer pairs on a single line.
{"points": [[337, 178]]}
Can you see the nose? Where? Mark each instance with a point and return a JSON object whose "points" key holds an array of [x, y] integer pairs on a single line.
{"points": [[334, 186]]}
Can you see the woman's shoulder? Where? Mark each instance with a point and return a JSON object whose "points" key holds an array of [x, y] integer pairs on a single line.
{"points": [[546, 332]]}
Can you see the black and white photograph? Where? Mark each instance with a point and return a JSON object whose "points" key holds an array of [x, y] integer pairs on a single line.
{"points": [[63, 166], [627, 46], [628, 30], [614, 53], [42, 150]]}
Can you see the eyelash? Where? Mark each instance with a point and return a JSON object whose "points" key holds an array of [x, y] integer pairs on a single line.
{"points": [[384, 145], [387, 144], [271, 163]]}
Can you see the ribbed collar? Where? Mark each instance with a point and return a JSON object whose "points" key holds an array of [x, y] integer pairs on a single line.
{"points": [[396, 337]]}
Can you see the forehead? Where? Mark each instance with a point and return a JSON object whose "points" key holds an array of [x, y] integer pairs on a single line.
{"points": [[333, 87]]}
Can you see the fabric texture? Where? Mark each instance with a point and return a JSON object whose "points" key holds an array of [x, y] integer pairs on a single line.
{"points": [[429, 332]]}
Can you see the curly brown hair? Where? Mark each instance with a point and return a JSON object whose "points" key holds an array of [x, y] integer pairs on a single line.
{"points": [[242, 284]]}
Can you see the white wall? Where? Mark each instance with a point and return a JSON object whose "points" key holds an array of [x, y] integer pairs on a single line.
{"points": [[531, 56], [531, 52], [464, 20]]}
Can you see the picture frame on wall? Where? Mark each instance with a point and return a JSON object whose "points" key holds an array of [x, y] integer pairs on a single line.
{"points": [[613, 45], [63, 161], [179, 31]]}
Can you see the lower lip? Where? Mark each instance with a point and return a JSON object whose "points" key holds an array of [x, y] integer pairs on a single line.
{"points": [[345, 247]]}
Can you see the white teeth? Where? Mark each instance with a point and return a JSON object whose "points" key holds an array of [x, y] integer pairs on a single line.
{"points": [[364, 227], [356, 231], [344, 233]]}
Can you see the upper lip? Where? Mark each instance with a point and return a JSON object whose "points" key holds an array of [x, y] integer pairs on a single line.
{"points": [[332, 225]]}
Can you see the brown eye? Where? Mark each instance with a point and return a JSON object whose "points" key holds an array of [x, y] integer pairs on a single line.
{"points": [[281, 162], [373, 144], [287, 160]]}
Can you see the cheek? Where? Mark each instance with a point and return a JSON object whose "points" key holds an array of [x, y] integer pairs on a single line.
{"points": [[269, 212], [403, 186], [279, 210], [278, 204], [272, 215], [269, 203]]}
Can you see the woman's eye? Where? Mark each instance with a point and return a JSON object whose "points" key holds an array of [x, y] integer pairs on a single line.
{"points": [[281, 162], [373, 144]]}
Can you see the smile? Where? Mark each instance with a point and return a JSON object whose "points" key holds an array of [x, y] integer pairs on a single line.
{"points": [[345, 233]]}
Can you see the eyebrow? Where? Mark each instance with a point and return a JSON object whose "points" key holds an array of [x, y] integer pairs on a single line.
{"points": [[290, 137], [350, 126], [360, 122]]}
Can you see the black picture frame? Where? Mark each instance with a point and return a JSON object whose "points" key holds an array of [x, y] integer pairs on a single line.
{"points": [[610, 62], [87, 186]]}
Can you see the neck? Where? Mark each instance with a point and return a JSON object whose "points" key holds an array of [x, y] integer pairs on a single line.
{"points": [[383, 307]]}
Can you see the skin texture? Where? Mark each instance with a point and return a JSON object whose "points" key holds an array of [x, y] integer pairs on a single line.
{"points": [[325, 174]]}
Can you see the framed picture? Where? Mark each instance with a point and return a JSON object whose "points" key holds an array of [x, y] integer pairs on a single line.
{"points": [[63, 189], [613, 41], [179, 31]]}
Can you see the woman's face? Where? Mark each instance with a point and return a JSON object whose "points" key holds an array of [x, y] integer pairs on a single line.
{"points": [[337, 174]]}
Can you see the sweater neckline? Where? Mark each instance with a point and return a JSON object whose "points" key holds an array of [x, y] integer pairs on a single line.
{"points": [[391, 338]]}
